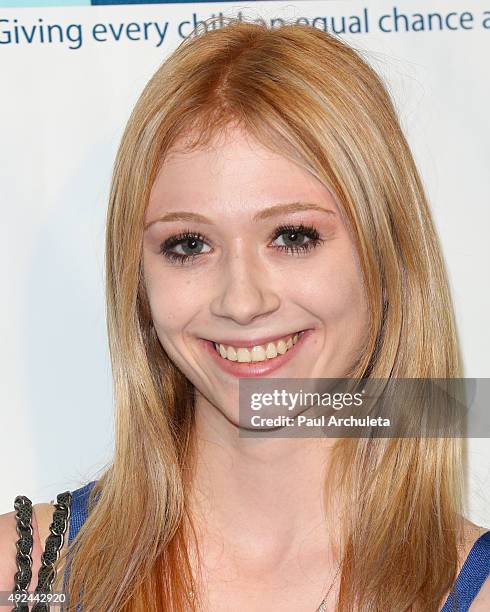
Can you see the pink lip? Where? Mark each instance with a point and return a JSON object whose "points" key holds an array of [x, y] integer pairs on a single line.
{"points": [[254, 369]]}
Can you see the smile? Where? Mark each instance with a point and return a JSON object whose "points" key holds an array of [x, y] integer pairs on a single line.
{"points": [[250, 359], [260, 352]]}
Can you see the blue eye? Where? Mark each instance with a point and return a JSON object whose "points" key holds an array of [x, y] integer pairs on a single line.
{"points": [[299, 240]]}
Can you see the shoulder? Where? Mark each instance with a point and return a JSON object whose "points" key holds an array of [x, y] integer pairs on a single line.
{"points": [[473, 533], [8, 538], [41, 519], [470, 534], [481, 603]]}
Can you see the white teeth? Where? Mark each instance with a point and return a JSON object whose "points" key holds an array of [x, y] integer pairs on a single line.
{"points": [[281, 347], [271, 350], [231, 354], [243, 354], [257, 353]]}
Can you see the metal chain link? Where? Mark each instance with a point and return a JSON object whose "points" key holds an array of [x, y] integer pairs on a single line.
{"points": [[53, 545], [22, 578]]}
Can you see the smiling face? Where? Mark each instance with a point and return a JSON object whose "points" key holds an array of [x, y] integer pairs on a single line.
{"points": [[243, 247]]}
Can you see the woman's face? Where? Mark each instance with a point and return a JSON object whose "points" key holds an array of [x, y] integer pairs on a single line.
{"points": [[243, 248]]}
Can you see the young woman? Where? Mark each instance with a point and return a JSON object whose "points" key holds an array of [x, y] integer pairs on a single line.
{"points": [[266, 219]]}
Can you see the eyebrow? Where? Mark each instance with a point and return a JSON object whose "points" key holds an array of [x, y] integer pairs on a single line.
{"points": [[267, 213]]}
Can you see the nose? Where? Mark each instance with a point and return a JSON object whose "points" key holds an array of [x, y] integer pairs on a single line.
{"points": [[245, 291]]}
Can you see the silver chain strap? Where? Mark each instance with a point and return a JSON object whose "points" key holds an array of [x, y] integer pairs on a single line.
{"points": [[22, 578], [51, 554]]}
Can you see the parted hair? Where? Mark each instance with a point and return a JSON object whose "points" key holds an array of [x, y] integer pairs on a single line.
{"points": [[307, 95]]}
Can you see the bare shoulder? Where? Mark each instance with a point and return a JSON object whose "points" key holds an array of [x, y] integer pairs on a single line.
{"points": [[8, 550], [470, 534], [43, 516], [481, 603], [41, 519]]}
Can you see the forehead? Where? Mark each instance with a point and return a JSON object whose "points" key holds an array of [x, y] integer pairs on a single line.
{"points": [[231, 173]]}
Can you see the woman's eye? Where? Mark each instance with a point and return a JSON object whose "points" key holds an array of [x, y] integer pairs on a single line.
{"points": [[186, 246], [190, 246], [292, 239], [183, 247], [297, 239]]}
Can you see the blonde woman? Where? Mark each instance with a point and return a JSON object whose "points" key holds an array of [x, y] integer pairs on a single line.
{"points": [[266, 219]]}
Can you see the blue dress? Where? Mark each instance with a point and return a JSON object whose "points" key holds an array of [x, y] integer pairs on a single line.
{"points": [[470, 579]]}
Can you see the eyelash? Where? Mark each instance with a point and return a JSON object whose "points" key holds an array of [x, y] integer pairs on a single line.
{"points": [[308, 230]]}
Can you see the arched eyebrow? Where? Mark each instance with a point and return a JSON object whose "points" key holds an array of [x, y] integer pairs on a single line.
{"points": [[266, 213]]}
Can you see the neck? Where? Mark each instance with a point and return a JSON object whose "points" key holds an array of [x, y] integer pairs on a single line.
{"points": [[259, 499]]}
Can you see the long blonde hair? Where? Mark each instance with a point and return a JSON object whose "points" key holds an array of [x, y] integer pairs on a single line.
{"points": [[304, 94]]}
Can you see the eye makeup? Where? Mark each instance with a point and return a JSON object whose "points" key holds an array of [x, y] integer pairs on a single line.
{"points": [[300, 240]]}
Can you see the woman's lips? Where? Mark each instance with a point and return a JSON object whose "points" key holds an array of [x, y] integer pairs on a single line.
{"points": [[254, 369]]}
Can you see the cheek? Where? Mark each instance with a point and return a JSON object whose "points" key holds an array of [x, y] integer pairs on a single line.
{"points": [[169, 316], [167, 298], [170, 293], [170, 307], [336, 293]]}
